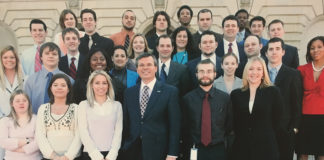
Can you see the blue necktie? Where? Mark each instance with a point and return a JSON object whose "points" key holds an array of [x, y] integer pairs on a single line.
{"points": [[273, 74], [163, 75], [49, 78]]}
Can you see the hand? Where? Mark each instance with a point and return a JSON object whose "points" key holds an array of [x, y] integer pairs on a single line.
{"points": [[64, 158], [22, 142], [170, 158]]}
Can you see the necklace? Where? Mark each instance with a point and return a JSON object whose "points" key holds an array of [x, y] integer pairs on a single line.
{"points": [[317, 70]]}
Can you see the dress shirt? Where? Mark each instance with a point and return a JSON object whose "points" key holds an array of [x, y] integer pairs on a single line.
{"points": [[27, 59], [240, 36], [234, 48], [251, 102], [212, 58], [58, 133], [35, 86], [120, 37], [76, 61], [277, 68], [6, 92], [102, 129], [166, 68], [10, 135], [150, 85]]}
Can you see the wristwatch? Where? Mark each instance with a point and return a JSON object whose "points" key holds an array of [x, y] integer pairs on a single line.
{"points": [[27, 140]]}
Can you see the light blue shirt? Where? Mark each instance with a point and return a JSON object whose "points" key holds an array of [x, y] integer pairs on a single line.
{"points": [[35, 87], [27, 59]]}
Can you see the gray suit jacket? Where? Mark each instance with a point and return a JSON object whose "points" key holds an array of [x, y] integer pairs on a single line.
{"points": [[219, 83]]}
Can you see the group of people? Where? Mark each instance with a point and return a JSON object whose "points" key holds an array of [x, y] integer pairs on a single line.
{"points": [[186, 94]]}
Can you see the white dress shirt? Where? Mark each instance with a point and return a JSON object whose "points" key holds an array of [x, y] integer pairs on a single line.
{"points": [[212, 58], [166, 68], [76, 61]]}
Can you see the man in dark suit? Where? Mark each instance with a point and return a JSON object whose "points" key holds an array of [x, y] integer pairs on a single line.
{"points": [[206, 114], [72, 62], [289, 82], [229, 44], [276, 29], [207, 45], [204, 21], [243, 16], [92, 39], [162, 24], [152, 117], [171, 72]]}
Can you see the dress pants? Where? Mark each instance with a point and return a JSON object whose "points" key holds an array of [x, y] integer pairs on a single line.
{"points": [[286, 144], [134, 152], [212, 152]]}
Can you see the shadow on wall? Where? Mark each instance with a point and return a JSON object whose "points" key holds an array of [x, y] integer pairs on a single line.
{"points": [[7, 36]]}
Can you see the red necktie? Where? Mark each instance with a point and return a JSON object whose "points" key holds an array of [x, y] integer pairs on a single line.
{"points": [[206, 122], [72, 68], [38, 63], [230, 50]]}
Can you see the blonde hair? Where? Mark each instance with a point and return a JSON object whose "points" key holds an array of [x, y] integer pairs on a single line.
{"points": [[130, 51], [90, 93], [18, 68], [13, 113], [265, 81]]}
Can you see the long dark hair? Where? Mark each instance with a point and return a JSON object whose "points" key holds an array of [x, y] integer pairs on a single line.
{"points": [[309, 58], [189, 46]]}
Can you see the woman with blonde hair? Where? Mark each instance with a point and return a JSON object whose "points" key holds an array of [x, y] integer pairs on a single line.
{"points": [[101, 118], [17, 134], [257, 109], [137, 46]]}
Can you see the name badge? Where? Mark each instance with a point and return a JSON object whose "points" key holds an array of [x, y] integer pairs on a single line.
{"points": [[193, 153]]}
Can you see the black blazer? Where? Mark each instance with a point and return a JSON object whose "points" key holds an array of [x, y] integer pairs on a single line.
{"points": [[159, 129], [98, 42], [243, 59], [178, 76], [288, 80], [151, 41], [255, 133], [290, 58], [192, 69], [196, 37], [64, 64]]}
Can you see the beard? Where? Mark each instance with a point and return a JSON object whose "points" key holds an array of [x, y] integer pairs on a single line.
{"points": [[128, 28], [205, 83]]}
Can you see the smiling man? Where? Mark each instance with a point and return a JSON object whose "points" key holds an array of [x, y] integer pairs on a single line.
{"points": [[91, 38], [37, 84], [123, 37], [30, 60], [152, 116], [72, 62]]}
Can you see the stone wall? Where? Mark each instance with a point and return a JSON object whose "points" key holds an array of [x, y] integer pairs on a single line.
{"points": [[303, 19]]}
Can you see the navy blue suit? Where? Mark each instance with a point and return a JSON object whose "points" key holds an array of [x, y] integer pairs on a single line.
{"points": [[64, 64], [290, 58], [220, 52], [159, 129]]}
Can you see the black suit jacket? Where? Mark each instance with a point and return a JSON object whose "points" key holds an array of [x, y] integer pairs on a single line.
{"points": [[243, 59], [196, 37], [289, 82], [290, 58], [98, 42], [159, 129], [192, 69], [64, 64], [255, 133], [151, 41], [178, 76]]}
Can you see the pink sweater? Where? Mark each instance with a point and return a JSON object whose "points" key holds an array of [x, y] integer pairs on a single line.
{"points": [[9, 136]]}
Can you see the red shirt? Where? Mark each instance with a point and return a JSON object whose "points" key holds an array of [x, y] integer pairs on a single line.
{"points": [[120, 37], [313, 99]]}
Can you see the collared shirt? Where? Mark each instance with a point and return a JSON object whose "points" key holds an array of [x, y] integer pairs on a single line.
{"points": [[35, 86], [76, 61], [28, 60], [240, 36], [276, 68], [150, 85], [234, 48], [167, 66], [120, 37], [212, 58]]}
